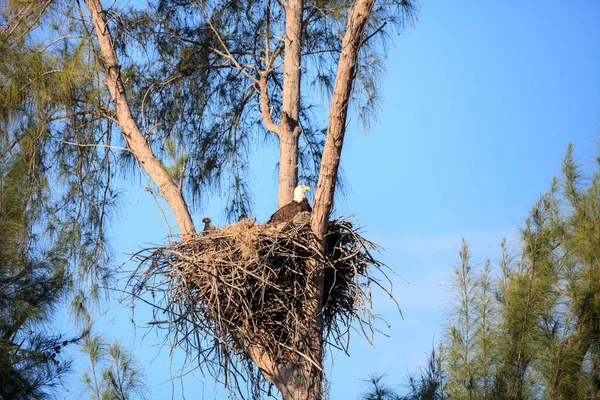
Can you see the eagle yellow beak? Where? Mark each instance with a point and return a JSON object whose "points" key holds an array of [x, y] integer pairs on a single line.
{"points": [[306, 188]]}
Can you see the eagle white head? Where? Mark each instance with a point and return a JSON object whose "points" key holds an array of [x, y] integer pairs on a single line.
{"points": [[299, 193]]}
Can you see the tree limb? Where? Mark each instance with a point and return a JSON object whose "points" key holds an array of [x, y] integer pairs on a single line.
{"points": [[290, 102], [357, 20], [131, 132], [264, 105]]}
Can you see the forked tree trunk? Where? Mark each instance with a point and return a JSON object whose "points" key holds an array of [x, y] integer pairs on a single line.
{"points": [[300, 377], [303, 380]]}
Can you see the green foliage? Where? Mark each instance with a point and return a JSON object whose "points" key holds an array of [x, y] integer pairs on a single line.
{"points": [[425, 384], [195, 105], [460, 335], [198, 111], [534, 331], [54, 127], [378, 389], [486, 330], [200, 63], [113, 372], [428, 383], [33, 281], [188, 68]]}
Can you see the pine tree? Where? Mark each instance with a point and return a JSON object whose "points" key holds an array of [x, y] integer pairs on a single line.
{"points": [[33, 282], [175, 94], [533, 332], [460, 336], [114, 373]]}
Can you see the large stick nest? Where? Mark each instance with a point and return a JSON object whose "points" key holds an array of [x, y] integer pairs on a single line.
{"points": [[251, 283]]}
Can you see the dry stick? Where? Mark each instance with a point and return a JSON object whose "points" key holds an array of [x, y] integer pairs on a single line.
{"points": [[210, 273]]}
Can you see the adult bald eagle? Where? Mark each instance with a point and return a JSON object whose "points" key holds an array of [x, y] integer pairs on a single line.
{"points": [[299, 204]]}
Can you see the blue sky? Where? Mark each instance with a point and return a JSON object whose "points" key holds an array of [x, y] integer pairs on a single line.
{"points": [[479, 103]]}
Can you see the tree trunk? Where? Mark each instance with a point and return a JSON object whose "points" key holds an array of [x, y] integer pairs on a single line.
{"points": [[131, 132], [338, 113], [303, 380], [300, 377], [290, 102], [288, 167], [299, 381]]}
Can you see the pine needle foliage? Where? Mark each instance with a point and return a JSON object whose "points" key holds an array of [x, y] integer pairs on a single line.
{"points": [[460, 333], [53, 125], [529, 328], [532, 331], [190, 69], [113, 373], [203, 63], [378, 389], [429, 382], [33, 282], [190, 75]]}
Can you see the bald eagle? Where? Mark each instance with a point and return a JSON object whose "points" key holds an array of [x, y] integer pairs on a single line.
{"points": [[208, 226], [299, 204]]}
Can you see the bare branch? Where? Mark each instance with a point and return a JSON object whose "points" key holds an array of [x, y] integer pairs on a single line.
{"points": [[227, 53], [92, 145], [182, 175], [131, 132], [264, 105]]}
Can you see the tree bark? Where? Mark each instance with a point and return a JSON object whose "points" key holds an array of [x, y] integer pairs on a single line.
{"points": [[288, 167], [131, 132], [290, 102], [338, 113], [297, 379], [300, 377], [303, 380]]}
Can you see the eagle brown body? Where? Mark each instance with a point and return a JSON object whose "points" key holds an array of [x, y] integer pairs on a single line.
{"points": [[287, 212], [208, 226], [298, 205]]}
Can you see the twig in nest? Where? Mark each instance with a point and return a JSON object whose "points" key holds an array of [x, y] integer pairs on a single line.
{"points": [[248, 283]]}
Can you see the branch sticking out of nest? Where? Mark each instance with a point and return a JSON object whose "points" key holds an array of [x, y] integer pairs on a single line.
{"points": [[249, 283]]}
